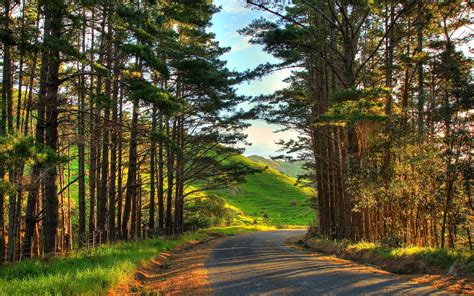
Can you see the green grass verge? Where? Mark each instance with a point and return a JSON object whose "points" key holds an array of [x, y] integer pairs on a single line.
{"points": [[407, 260], [86, 271], [436, 257], [97, 270], [236, 230]]}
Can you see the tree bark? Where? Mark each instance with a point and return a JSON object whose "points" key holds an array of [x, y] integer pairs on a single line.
{"points": [[151, 221], [50, 220], [421, 95], [170, 168], [161, 220], [132, 172]]}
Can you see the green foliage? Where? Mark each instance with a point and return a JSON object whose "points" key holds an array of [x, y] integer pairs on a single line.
{"points": [[207, 211], [16, 150], [148, 55], [142, 90], [354, 94], [353, 111]]}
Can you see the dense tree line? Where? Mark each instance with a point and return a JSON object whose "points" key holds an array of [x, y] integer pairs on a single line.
{"points": [[381, 93], [113, 112]]}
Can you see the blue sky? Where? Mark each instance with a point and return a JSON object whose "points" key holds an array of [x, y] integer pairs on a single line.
{"points": [[243, 56]]}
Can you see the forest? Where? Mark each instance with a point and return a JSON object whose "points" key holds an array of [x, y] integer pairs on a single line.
{"points": [[114, 113], [381, 94]]}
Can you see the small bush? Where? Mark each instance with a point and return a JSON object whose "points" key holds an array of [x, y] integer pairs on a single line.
{"points": [[208, 211]]}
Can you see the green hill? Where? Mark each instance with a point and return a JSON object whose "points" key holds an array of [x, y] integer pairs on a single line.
{"points": [[291, 169], [270, 196]]}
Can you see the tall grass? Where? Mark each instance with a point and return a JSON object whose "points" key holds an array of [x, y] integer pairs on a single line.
{"points": [[89, 271]]}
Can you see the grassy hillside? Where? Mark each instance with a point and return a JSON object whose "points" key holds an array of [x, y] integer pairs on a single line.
{"points": [[292, 169], [270, 196]]}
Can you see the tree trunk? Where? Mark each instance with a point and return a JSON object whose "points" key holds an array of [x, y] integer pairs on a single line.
{"points": [[170, 168], [92, 147], [81, 148], [421, 95], [151, 221], [113, 156], [132, 172], [160, 178], [50, 220], [7, 96], [119, 167], [36, 180]]}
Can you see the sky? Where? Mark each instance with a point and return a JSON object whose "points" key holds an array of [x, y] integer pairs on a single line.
{"points": [[242, 56]]}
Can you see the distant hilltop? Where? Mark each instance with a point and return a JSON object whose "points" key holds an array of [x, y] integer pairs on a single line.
{"points": [[289, 168]]}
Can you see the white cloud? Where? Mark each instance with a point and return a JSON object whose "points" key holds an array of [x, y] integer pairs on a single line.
{"points": [[267, 85], [263, 138], [232, 6], [240, 43]]}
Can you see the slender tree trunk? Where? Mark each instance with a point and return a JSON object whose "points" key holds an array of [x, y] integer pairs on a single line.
{"points": [[178, 176], [132, 172], [102, 220], [119, 168], [160, 177], [92, 147], [181, 173], [151, 221], [34, 201], [113, 156], [7, 119], [170, 168], [421, 95], [7, 96], [81, 147]]}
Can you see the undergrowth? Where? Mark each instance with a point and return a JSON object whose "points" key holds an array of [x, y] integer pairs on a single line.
{"points": [[404, 259]]}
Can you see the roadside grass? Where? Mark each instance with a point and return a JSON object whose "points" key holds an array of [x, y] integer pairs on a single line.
{"points": [[86, 271], [95, 271], [236, 230], [410, 259]]}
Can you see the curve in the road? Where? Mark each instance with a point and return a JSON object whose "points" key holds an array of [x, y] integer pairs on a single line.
{"points": [[261, 264]]}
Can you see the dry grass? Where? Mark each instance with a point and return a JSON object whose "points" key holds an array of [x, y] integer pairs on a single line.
{"points": [[174, 273]]}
